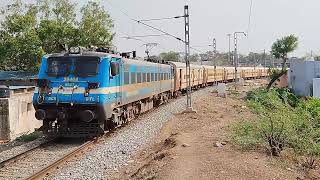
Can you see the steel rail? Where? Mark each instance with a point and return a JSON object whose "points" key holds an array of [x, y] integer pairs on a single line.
{"points": [[55, 165], [23, 154]]}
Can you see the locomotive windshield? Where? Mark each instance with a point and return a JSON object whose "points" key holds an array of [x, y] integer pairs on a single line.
{"points": [[86, 66], [58, 66], [82, 66]]}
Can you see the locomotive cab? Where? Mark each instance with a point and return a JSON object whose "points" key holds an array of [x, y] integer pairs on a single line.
{"points": [[72, 90]]}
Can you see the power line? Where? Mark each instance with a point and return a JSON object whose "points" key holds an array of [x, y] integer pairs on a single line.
{"points": [[158, 29], [142, 36], [132, 38], [159, 19], [147, 25], [152, 27]]}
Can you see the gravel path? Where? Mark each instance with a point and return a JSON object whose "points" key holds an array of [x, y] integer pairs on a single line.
{"points": [[115, 152], [35, 160], [12, 152]]}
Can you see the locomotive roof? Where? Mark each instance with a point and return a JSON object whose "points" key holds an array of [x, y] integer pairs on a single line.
{"points": [[144, 63], [88, 53]]}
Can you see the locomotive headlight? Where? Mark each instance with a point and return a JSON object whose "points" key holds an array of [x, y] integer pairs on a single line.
{"points": [[86, 93], [74, 50], [49, 91]]}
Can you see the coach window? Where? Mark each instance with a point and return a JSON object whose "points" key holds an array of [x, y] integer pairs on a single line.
{"points": [[126, 78], [148, 77], [152, 77], [139, 77], [144, 77], [133, 78]]}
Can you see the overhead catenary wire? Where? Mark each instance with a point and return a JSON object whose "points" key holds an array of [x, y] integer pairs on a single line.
{"points": [[150, 26], [142, 36], [147, 25], [159, 19]]}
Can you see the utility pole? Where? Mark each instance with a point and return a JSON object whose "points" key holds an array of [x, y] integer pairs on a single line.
{"points": [[214, 46], [235, 35], [229, 52], [187, 51], [264, 57]]}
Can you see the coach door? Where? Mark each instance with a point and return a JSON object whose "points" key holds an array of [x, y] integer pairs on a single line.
{"points": [[115, 79]]}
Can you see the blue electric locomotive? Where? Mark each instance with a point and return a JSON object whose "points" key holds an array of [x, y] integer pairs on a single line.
{"points": [[86, 93]]}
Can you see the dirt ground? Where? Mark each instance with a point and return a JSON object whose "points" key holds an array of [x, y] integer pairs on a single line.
{"points": [[196, 146]]}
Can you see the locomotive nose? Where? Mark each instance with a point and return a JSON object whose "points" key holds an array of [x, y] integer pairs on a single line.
{"points": [[87, 115], [40, 114]]}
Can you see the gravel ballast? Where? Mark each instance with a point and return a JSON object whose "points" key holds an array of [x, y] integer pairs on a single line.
{"points": [[115, 151]]}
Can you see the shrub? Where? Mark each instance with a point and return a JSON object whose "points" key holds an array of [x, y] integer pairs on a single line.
{"points": [[284, 121], [246, 135]]}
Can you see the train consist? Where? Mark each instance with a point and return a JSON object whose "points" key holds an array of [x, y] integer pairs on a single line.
{"points": [[83, 94]]}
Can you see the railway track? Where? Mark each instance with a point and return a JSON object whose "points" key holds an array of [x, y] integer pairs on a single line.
{"points": [[37, 162]]}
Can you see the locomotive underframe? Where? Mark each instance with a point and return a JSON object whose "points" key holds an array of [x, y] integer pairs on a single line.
{"points": [[72, 126]]}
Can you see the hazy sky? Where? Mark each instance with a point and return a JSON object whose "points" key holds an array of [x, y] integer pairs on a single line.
{"points": [[271, 19]]}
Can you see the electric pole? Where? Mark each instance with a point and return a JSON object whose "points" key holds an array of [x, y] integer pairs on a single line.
{"points": [[235, 35], [214, 44], [229, 52], [264, 57], [187, 51], [214, 51]]}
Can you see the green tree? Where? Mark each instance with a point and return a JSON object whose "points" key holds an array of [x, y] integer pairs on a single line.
{"points": [[30, 30], [20, 45], [95, 26], [280, 49], [170, 56], [57, 26], [194, 57]]}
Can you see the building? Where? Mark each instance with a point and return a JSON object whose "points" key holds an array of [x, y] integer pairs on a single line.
{"points": [[301, 75]]}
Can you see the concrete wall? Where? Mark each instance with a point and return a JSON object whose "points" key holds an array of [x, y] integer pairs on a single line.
{"points": [[17, 116], [301, 76]]}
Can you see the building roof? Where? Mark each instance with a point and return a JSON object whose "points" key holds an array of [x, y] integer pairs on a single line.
{"points": [[17, 75]]}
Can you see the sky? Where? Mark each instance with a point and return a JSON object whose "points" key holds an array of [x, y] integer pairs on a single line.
{"points": [[270, 20]]}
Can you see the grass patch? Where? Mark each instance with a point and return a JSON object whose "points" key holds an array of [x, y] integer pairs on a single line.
{"points": [[29, 137]]}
